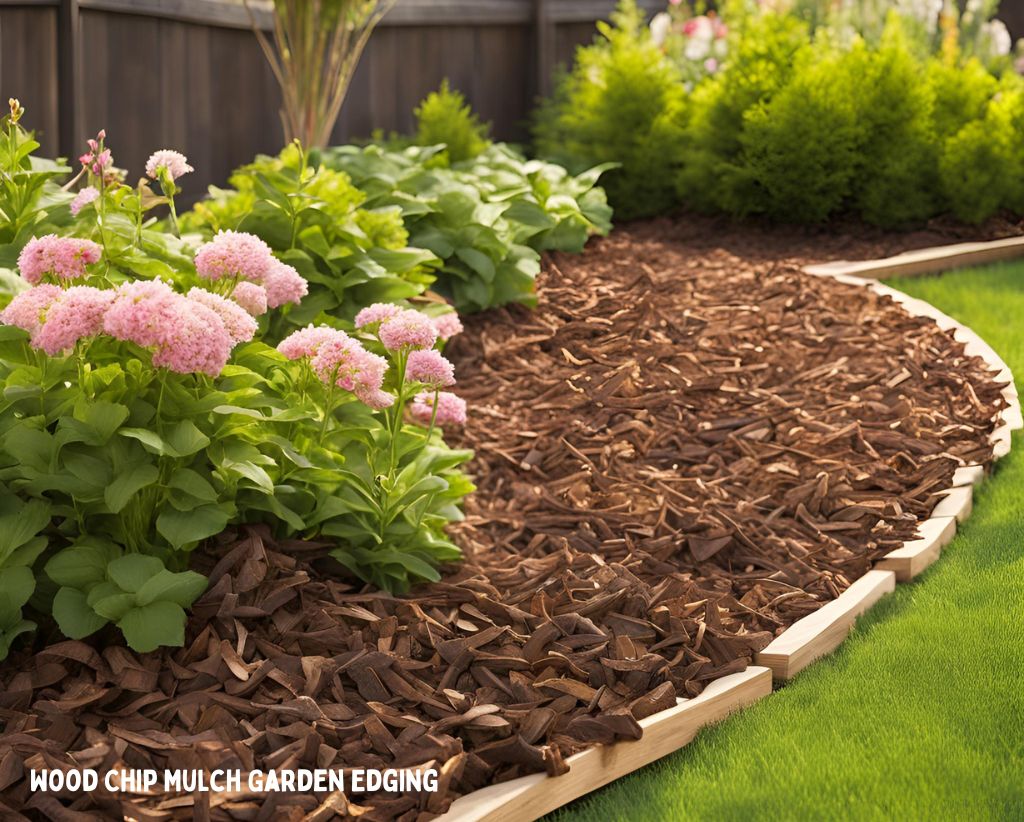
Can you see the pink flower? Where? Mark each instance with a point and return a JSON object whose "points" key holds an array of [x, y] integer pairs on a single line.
{"points": [[143, 312], [64, 257], [284, 285], [376, 313], [430, 368], [451, 409], [307, 341], [28, 309], [234, 254], [448, 325], [407, 328], [195, 342], [377, 399], [76, 314], [711, 65], [83, 198], [175, 162], [342, 361], [252, 297], [241, 327]]}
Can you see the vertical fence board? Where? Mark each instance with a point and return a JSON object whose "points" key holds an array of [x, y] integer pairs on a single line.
{"points": [[28, 68]]}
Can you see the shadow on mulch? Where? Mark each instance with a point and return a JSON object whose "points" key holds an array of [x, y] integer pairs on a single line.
{"points": [[682, 451]]}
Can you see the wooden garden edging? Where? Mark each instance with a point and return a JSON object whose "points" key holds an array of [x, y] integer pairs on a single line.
{"points": [[530, 797]]}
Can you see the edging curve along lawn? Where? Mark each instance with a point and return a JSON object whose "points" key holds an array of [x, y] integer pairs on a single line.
{"points": [[920, 713]]}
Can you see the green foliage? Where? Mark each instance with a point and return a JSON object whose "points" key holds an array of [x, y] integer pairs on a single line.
{"points": [[895, 126], [444, 118], [623, 103], [316, 221], [487, 218]]}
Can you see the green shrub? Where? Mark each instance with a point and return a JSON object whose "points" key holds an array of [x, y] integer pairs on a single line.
{"points": [[801, 148], [714, 174], [624, 102], [981, 167], [444, 118]]}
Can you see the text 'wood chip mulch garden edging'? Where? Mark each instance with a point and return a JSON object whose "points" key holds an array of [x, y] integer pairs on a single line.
{"points": [[678, 458]]}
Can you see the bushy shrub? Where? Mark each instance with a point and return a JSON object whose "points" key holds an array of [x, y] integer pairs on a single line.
{"points": [[139, 416], [315, 220], [981, 166], [444, 118], [623, 103], [487, 218]]}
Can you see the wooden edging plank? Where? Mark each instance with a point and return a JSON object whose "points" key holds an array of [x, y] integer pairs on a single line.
{"points": [[530, 797], [910, 560], [925, 260], [822, 632]]}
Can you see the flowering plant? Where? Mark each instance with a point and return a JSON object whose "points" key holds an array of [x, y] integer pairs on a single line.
{"points": [[380, 394], [313, 219], [695, 39]]}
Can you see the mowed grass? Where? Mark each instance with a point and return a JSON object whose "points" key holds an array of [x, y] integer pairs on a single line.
{"points": [[920, 713]]}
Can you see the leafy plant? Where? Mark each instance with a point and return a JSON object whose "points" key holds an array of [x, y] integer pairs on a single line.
{"points": [[624, 103], [487, 219], [444, 118], [315, 219]]}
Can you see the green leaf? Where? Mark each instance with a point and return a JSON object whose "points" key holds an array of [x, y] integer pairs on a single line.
{"points": [[159, 624], [16, 588], [194, 484], [73, 614], [127, 484], [17, 529], [151, 440], [83, 564], [132, 571], [181, 528], [113, 607], [182, 589], [186, 439]]}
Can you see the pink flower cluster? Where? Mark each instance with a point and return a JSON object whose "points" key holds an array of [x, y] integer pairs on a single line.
{"points": [[338, 359], [83, 198], [448, 325], [252, 297], [407, 325], [174, 162], [245, 257], [63, 257], [187, 334], [407, 329], [75, 315], [97, 159], [451, 409], [430, 368]]}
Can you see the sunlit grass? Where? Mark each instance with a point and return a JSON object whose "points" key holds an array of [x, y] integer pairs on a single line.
{"points": [[920, 714]]}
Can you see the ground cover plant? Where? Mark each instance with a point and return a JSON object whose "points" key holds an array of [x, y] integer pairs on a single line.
{"points": [[702, 498], [797, 115], [937, 659], [141, 415]]}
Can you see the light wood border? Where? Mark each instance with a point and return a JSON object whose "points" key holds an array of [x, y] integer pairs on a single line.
{"points": [[910, 560], [530, 797]]}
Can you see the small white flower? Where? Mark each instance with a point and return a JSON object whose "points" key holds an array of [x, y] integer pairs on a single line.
{"points": [[660, 27]]}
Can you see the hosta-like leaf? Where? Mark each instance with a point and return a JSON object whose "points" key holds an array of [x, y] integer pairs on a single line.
{"points": [[74, 616], [159, 624]]}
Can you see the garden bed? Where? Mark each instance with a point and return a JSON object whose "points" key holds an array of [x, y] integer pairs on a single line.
{"points": [[684, 450]]}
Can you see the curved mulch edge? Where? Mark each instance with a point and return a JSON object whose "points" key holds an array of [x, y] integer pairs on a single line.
{"points": [[530, 797]]}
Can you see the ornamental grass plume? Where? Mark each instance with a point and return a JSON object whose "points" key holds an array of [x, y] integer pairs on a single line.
{"points": [[234, 255], [75, 315], [173, 162], [430, 368], [239, 324], [63, 257], [407, 329], [451, 409], [252, 297], [283, 284]]}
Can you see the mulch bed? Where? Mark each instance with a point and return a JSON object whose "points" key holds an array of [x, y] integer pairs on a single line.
{"points": [[682, 451]]}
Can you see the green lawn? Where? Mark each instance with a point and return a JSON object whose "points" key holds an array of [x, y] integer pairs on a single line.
{"points": [[920, 714]]}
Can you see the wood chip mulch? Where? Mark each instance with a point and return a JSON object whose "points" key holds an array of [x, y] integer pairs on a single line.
{"points": [[678, 456]]}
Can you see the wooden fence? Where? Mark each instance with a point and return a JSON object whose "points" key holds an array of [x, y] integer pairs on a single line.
{"points": [[188, 74]]}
